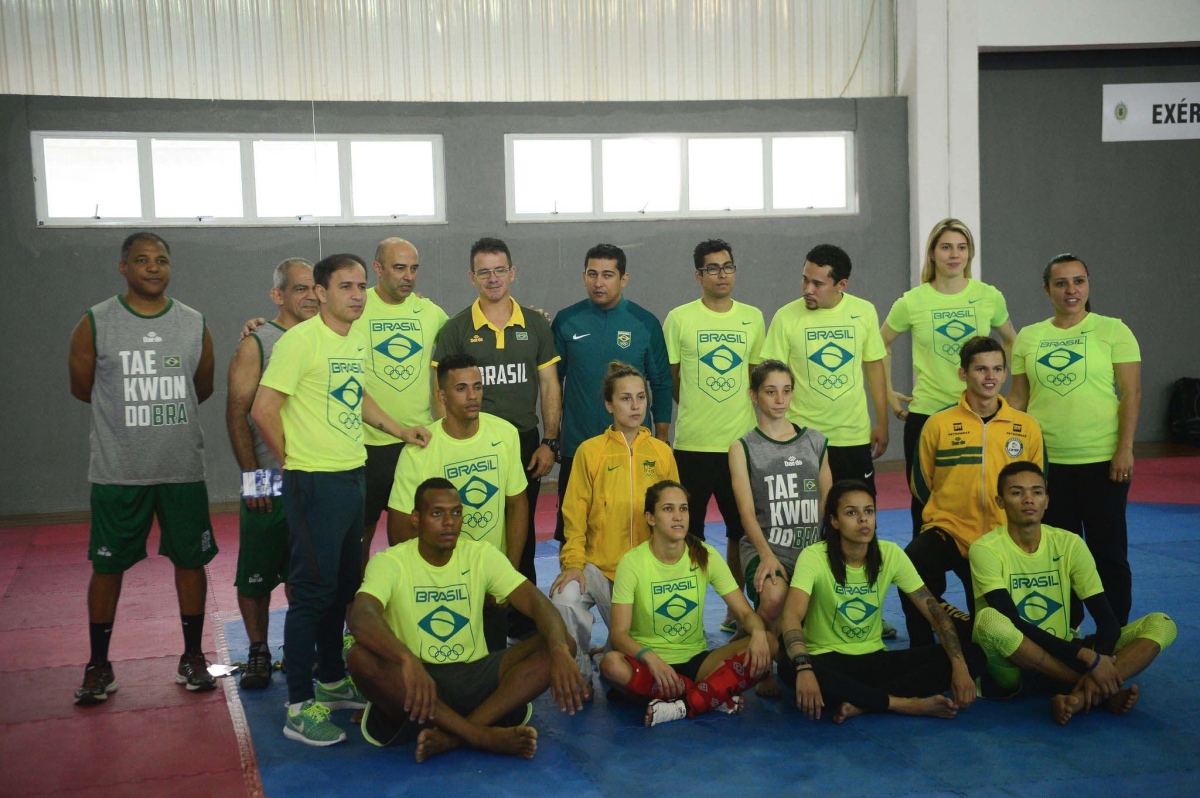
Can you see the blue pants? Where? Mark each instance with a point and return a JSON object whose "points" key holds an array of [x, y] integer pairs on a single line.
{"points": [[325, 525]]}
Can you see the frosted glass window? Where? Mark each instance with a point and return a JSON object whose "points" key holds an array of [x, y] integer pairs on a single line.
{"points": [[641, 175], [809, 172], [297, 178], [552, 175], [392, 178], [196, 178], [725, 174], [88, 178]]}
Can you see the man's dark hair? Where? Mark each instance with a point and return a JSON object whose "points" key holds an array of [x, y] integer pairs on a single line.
{"points": [[1014, 468], [977, 346], [325, 268], [606, 252], [489, 245], [433, 483], [706, 248], [142, 235], [454, 362], [833, 257]]}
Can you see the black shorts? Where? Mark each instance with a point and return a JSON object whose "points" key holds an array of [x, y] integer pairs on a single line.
{"points": [[706, 474], [691, 668], [380, 473], [852, 462]]}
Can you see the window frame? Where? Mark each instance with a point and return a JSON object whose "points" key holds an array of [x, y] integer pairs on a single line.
{"points": [[250, 217], [597, 214]]}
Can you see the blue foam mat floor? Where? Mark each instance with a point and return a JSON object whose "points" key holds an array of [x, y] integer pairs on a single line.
{"points": [[992, 749]]}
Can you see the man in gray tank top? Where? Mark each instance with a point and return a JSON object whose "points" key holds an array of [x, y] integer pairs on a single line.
{"points": [[144, 362], [263, 531]]}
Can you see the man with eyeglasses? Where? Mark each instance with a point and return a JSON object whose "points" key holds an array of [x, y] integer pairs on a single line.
{"points": [[514, 350], [712, 343], [591, 334]]}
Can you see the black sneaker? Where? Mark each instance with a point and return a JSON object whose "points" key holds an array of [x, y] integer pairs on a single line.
{"points": [[193, 672], [98, 682], [257, 673]]}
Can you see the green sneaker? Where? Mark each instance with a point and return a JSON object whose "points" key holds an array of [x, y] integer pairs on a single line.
{"points": [[311, 725], [347, 644], [343, 695]]}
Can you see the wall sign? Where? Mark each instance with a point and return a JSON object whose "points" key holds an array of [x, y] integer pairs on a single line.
{"points": [[1150, 111]]}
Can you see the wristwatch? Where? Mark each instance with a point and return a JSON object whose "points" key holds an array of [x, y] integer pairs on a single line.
{"points": [[552, 444], [801, 659]]}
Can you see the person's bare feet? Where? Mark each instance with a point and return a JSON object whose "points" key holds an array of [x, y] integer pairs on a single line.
{"points": [[588, 692], [1123, 700], [519, 741], [356, 718], [845, 711], [1063, 707], [768, 687], [432, 742], [934, 706]]}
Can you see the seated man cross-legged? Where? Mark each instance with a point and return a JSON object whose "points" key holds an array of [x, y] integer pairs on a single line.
{"points": [[1024, 573], [420, 656]]}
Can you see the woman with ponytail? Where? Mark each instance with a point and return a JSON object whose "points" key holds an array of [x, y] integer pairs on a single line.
{"points": [[657, 629]]}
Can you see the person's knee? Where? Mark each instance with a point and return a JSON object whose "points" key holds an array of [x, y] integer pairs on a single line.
{"points": [[1158, 627], [771, 601], [614, 667], [997, 633], [362, 664]]}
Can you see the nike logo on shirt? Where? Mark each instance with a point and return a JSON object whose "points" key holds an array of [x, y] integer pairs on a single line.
{"points": [[1056, 559], [496, 443], [464, 573], [613, 468], [853, 316], [746, 322], [577, 336], [973, 301], [868, 475]]}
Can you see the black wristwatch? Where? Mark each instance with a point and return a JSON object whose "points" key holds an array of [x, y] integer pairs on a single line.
{"points": [[552, 444], [802, 659]]}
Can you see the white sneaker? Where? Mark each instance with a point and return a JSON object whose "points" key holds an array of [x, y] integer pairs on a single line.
{"points": [[659, 711]]}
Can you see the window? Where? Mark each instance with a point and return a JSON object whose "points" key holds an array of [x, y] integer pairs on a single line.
{"points": [[97, 179], [679, 176]]}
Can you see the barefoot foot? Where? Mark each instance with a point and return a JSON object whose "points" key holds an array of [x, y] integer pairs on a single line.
{"points": [[519, 741], [768, 688], [432, 742], [1064, 707], [1123, 701], [845, 711], [934, 706]]}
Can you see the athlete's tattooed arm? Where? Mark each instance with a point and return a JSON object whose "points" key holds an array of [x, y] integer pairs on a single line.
{"points": [[962, 685], [794, 642]]}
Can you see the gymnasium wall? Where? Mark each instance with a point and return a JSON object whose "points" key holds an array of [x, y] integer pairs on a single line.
{"points": [[1129, 209], [52, 276]]}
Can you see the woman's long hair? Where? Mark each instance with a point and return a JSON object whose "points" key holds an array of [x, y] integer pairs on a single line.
{"points": [[695, 547], [833, 536]]}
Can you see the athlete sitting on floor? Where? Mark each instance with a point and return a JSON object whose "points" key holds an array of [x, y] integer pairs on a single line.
{"points": [[831, 624], [1024, 573], [657, 635], [419, 655]]}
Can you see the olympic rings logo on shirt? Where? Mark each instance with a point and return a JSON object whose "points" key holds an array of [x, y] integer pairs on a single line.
{"points": [[951, 349], [477, 520], [398, 373], [854, 632], [349, 420], [445, 653], [1061, 378], [677, 629], [832, 380], [723, 384]]}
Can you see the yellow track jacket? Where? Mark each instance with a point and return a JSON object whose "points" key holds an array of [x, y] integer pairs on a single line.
{"points": [[606, 497], [957, 462]]}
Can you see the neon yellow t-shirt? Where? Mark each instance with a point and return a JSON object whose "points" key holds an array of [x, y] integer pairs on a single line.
{"points": [[826, 349], [438, 612], [401, 339], [1040, 583], [485, 468], [668, 600], [848, 619], [323, 374], [714, 352], [1072, 384], [941, 324]]}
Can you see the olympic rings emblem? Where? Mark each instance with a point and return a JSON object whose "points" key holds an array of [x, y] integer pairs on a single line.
{"points": [[401, 373], [350, 420], [854, 632], [445, 653], [477, 520], [723, 384], [832, 381], [677, 629], [1061, 379], [951, 349]]}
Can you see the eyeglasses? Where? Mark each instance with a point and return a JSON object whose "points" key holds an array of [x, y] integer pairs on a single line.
{"points": [[714, 269], [499, 271]]}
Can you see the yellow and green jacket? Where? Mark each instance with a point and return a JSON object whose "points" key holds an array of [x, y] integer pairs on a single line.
{"points": [[603, 510], [957, 461]]}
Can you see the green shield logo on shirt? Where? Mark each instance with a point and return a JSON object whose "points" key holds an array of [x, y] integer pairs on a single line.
{"points": [[720, 355], [483, 501], [395, 348], [1061, 366], [343, 407], [951, 329], [1040, 601], [831, 353], [445, 634], [675, 606], [857, 613]]}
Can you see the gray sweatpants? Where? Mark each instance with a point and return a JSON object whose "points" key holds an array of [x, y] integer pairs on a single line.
{"points": [[575, 606]]}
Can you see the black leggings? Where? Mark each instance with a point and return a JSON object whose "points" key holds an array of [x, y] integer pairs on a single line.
{"points": [[933, 553], [913, 424]]}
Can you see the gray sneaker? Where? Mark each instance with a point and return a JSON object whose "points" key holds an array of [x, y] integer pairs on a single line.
{"points": [[343, 695], [98, 682], [193, 672]]}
